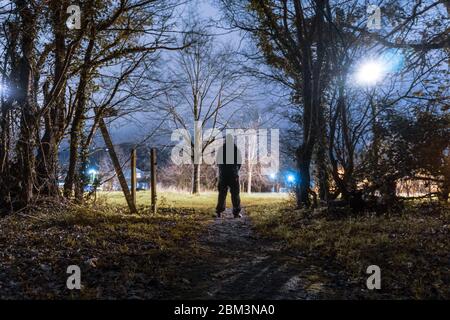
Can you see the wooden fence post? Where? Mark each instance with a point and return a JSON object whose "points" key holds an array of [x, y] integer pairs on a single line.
{"points": [[117, 167], [153, 178], [133, 176]]}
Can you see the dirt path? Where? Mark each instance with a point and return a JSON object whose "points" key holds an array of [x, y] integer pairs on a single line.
{"points": [[235, 264]]}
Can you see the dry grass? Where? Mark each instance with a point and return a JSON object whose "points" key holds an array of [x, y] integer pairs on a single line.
{"points": [[120, 255], [128, 256], [412, 247]]}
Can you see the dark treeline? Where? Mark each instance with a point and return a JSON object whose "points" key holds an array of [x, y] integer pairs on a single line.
{"points": [[361, 141], [63, 73]]}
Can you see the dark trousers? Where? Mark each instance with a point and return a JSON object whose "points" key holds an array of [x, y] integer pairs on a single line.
{"points": [[231, 182]]}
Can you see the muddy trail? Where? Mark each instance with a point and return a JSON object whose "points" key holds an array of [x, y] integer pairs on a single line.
{"points": [[232, 262]]}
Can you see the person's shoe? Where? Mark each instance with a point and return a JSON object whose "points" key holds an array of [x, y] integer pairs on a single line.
{"points": [[219, 214], [237, 214]]}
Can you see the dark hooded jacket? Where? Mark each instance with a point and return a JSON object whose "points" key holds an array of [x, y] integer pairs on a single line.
{"points": [[230, 169]]}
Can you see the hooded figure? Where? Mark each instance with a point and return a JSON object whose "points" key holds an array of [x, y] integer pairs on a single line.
{"points": [[229, 161]]}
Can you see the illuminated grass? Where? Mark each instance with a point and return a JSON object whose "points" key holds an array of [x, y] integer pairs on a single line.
{"points": [[204, 201]]}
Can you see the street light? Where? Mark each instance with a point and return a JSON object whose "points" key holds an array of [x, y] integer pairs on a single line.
{"points": [[273, 177], [370, 72], [93, 173]]}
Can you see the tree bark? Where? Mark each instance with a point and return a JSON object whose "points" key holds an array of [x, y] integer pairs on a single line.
{"points": [[78, 121], [47, 163], [196, 179], [249, 177], [321, 161], [304, 180], [25, 171], [153, 165]]}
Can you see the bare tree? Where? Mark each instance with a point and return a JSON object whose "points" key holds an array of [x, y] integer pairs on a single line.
{"points": [[205, 90], [49, 75], [292, 38], [98, 54]]}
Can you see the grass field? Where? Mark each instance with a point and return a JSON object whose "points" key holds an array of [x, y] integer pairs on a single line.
{"points": [[121, 255], [204, 202], [138, 255], [412, 247]]}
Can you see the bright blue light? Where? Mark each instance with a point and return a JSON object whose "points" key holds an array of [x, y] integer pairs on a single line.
{"points": [[394, 60], [273, 176], [372, 70], [291, 178], [92, 172]]}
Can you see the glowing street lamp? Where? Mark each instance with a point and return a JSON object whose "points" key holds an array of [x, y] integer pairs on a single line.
{"points": [[93, 173], [370, 72], [290, 180], [273, 177]]}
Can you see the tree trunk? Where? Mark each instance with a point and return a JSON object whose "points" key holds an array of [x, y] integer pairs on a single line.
{"points": [[25, 174], [78, 121], [304, 180], [75, 132], [323, 177], [375, 148], [249, 177], [388, 192], [47, 163], [196, 179], [153, 173], [6, 103], [81, 177]]}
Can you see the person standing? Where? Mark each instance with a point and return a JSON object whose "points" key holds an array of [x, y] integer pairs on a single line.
{"points": [[229, 161]]}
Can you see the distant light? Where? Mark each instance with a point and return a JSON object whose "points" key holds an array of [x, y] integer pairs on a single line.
{"points": [[273, 176], [290, 178], [92, 171], [370, 72]]}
